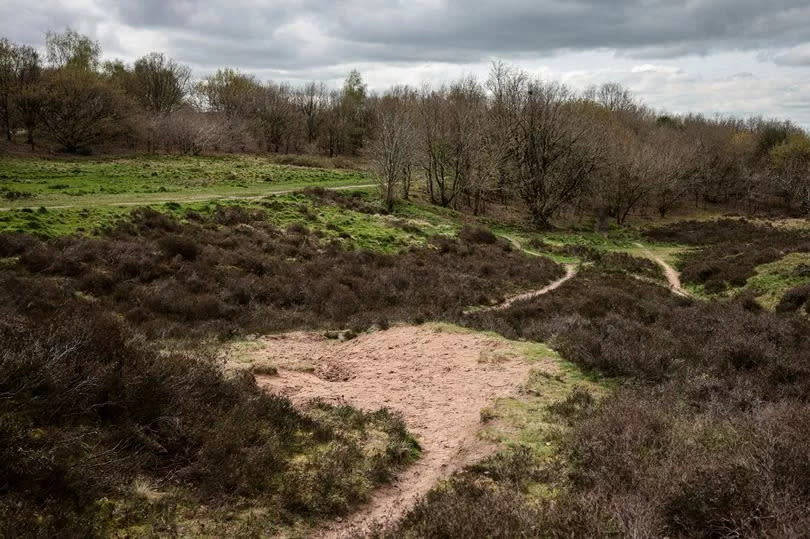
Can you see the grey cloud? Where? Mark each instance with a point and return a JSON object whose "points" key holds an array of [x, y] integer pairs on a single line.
{"points": [[272, 34], [314, 39], [795, 57]]}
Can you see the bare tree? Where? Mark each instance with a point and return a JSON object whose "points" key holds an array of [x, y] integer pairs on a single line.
{"points": [[277, 120], [311, 100], [791, 170], [626, 178], [615, 98], [79, 109], [160, 84], [191, 131], [552, 148], [673, 170], [70, 49], [229, 92], [391, 150], [19, 70], [452, 120]]}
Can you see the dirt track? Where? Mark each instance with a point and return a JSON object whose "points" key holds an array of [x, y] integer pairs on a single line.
{"points": [[438, 379], [570, 273], [672, 275]]}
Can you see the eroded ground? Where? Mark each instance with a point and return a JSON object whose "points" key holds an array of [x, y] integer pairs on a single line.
{"points": [[438, 377]]}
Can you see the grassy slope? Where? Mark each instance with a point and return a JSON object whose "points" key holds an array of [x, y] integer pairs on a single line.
{"points": [[35, 182]]}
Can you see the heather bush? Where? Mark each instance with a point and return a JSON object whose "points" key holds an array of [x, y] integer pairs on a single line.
{"points": [[88, 407], [708, 435], [729, 249], [200, 278], [477, 234], [794, 299]]}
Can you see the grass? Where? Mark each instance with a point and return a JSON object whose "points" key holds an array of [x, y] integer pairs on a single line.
{"points": [[51, 223], [528, 420], [352, 229], [142, 180], [774, 279]]}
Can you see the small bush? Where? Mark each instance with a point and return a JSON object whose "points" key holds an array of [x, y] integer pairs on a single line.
{"points": [[794, 299], [477, 234]]}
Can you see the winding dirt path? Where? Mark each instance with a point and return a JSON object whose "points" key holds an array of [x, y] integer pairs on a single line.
{"points": [[570, 273], [672, 275], [439, 379]]}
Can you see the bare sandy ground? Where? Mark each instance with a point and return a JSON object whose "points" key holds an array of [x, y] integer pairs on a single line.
{"points": [[438, 379]]}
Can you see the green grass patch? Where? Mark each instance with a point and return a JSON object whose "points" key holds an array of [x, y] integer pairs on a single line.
{"points": [[149, 179], [774, 279], [352, 229], [530, 420], [45, 223]]}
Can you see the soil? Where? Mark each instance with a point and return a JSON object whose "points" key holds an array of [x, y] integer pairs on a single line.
{"points": [[439, 379]]}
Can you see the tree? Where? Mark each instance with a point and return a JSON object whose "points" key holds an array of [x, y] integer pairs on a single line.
{"points": [[353, 100], [673, 169], [391, 150], [506, 86], [70, 49], [552, 148], [79, 109], [626, 178], [276, 118], [7, 85], [159, 84], [19, 68], [311, 100], [191, 131], [452, 120], [334, 124], [28, 105], [615, 98], [230, 92], [791, 170]]}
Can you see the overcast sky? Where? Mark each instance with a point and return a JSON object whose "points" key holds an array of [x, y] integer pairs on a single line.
{"points": [[743, 57]]}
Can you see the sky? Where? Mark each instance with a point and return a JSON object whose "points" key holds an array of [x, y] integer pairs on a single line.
{"points": [[730, 57]]}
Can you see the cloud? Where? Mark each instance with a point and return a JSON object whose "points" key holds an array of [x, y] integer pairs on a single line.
{"points": [[798, 56], [406, 41], [278, 34]]}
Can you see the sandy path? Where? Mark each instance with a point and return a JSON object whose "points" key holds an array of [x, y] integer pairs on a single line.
{"points": [[570, 272], [673, 277], [439, 380]]}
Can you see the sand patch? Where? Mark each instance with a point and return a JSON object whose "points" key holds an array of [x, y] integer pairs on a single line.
{"points": [[439, 379]]}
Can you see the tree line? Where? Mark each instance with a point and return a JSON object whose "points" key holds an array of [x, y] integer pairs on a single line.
{"points": [[509, 139]]}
